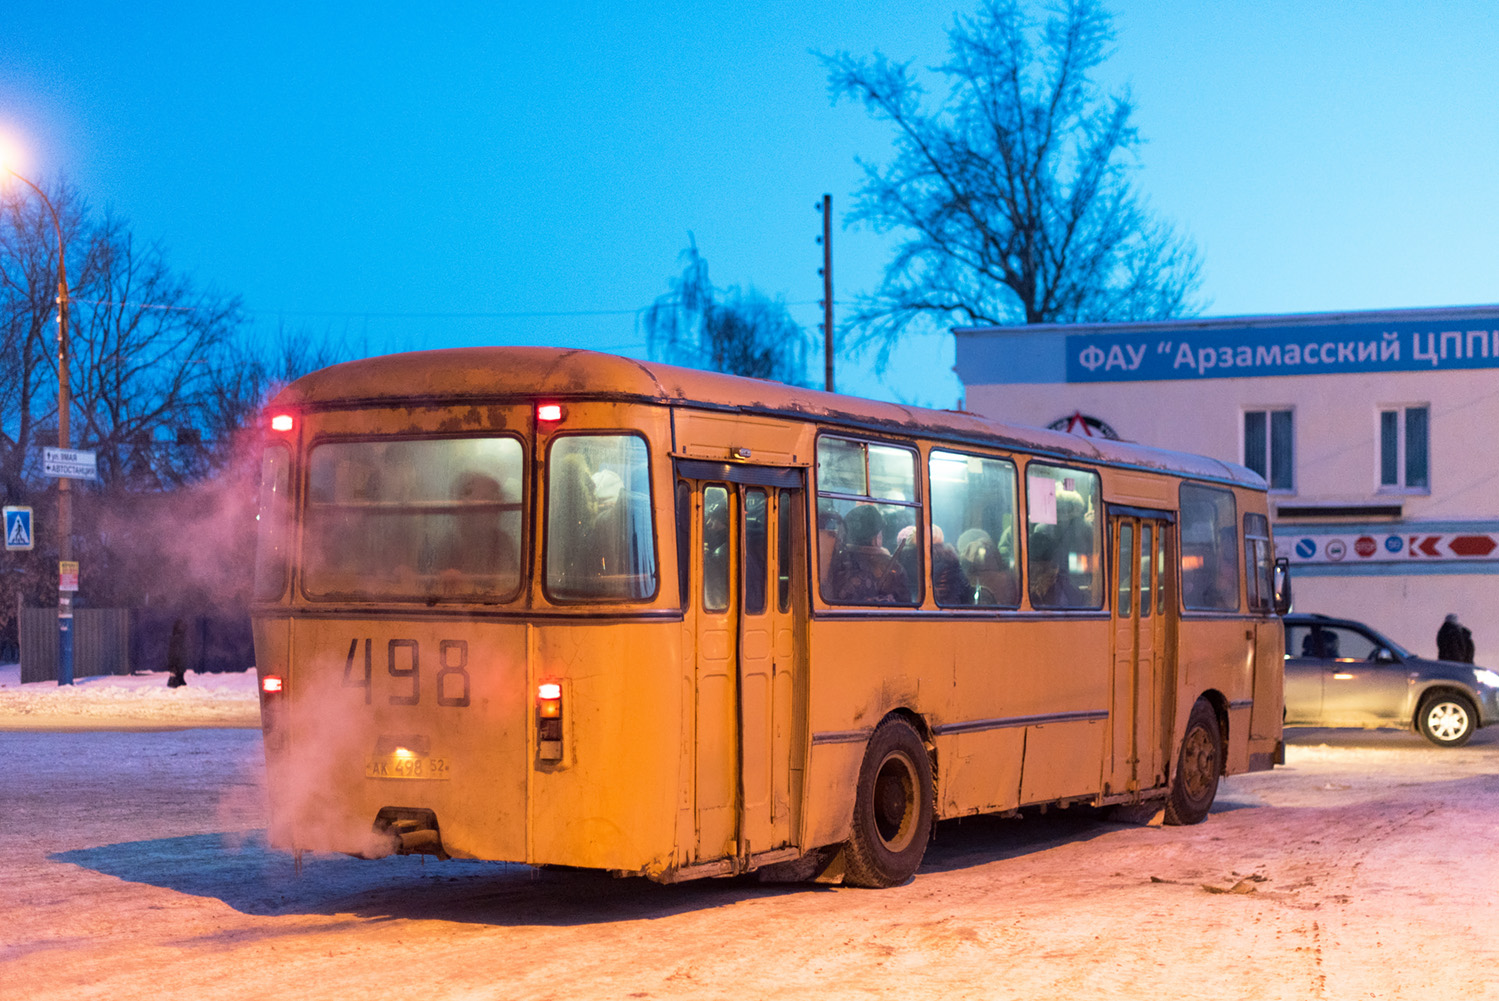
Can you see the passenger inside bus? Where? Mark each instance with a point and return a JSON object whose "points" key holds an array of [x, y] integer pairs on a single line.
{"points": [[989, 567], [864, 572], [479, 544], [950, 585]]}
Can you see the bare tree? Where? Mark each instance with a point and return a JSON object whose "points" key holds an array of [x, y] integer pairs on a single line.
{"points": [[1016, 194], [144, 342], [28, 328], [746, 334], [248, 371]]}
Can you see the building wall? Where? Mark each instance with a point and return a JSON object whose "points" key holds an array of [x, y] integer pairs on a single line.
{"points": [[1390, 582], [1336, 428]]}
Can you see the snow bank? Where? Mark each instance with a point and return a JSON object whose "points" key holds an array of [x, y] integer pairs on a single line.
{"points": [[136, 701]]}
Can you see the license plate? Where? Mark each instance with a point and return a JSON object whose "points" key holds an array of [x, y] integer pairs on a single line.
{"points": [[404, 766]]}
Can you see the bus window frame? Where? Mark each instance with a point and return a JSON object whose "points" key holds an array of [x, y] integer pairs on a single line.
{"points": [[917, 504], [1237, 551], [1102, 540], [1017, 522], [302, 475], [543, 490]]}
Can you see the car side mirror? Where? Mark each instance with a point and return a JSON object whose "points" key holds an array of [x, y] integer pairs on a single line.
{"points": [[1282, 585], [1383, 655]]}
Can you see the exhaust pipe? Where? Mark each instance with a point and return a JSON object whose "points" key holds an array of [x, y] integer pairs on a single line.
{"points": [[410, 831]]}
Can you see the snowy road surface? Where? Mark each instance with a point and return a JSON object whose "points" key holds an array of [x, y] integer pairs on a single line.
{"points": [[132, 865]]}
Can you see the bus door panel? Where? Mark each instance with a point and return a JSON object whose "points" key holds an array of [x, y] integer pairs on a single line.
{"points": [[745, 575], [756, 670], [1136, 758], [716, 675]]}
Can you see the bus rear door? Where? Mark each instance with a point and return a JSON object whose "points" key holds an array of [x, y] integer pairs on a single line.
{"points": [[745, 593]]}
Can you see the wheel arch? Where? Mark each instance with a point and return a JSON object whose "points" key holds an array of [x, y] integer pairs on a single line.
{"points": [[928, 739], [1438, 689], [1219, 703]]}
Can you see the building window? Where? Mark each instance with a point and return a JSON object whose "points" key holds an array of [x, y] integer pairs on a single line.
{"points": [[1404, 448], [1268, 447]]}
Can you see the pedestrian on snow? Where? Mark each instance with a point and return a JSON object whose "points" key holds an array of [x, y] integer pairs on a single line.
{"points": [[177, 655], [1454, 641]]}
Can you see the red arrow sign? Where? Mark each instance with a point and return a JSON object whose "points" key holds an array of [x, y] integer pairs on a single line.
{"points": [[1429, 545], [1472, 545]]}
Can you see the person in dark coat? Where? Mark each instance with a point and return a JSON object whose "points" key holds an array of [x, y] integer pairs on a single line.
{"points": [[177, 655], [1454, 641]]}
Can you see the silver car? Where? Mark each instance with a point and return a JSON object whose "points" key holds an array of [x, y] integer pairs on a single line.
{"points": [[1342, 673]]}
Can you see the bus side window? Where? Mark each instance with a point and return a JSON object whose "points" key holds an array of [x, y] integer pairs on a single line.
{"points": [[1209, 549], [973, 531], [868, 548], [1064, 538]]}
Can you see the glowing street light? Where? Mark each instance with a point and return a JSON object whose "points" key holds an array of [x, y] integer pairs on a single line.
{"points": [[64, 485]]}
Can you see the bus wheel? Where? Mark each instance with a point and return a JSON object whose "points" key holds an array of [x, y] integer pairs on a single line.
{"points": [[1446, 719], [892, 808], [1198, 765]]}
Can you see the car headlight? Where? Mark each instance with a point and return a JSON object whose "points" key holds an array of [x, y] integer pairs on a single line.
{"points": [[1487, 677]]}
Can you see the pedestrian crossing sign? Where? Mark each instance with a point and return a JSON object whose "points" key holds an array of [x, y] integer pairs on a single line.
{"points": [[18, 534]]}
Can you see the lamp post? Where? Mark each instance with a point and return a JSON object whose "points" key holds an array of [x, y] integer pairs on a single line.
{"points": [[64, 485]]}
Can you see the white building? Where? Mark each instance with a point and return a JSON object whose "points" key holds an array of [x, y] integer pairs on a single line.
{"points": [[1372, 430]]}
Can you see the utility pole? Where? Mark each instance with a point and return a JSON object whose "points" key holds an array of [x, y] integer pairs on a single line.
{"points": [[64, 443], [826, 208]]}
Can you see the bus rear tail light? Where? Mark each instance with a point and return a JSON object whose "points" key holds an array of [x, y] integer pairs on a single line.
{"points": [[549, 721], [273, 711], [283, 423], [549, 413]]}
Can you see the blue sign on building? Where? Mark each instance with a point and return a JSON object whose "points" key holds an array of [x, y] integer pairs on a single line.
{"points": [[1249, 351]]}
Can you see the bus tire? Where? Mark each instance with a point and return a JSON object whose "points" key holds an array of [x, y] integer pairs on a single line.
{"points": [[1199, 763], [1446, 719], [892, 808]]}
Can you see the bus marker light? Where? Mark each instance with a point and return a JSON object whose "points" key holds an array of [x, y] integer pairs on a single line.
{"points": [[549, 413], [282, 422], [549, 721], [270, 684]]}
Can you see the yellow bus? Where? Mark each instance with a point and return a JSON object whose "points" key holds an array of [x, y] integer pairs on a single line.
{"points": [[558, 607]]}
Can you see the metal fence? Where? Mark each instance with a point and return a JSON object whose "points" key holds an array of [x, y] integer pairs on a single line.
{"points": [[101, 642], [121, 640]]}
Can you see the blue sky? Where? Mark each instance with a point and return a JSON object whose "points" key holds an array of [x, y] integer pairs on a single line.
{"points": [[418, 181]]}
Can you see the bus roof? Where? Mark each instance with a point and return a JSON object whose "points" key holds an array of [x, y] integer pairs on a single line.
{"points": [[497, 374]]}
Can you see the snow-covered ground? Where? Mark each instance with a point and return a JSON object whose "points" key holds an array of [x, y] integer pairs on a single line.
{"points": [[137, 701], [133, 865]]}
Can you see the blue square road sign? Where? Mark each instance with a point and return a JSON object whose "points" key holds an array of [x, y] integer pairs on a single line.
{"points": [[18, 533]]}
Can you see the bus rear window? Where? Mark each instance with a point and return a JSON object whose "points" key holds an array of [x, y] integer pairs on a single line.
{"points": [[421, 520], [601, 542]]}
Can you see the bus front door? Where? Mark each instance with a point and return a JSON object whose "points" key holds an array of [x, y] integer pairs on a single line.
{"points": [[1141, 676], [743, 588]]}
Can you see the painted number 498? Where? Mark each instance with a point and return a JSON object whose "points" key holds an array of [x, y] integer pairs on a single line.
{"points": [[403, 661]]}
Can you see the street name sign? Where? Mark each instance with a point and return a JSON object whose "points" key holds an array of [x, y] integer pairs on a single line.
{"points": [[18, 531], [69, 464]]}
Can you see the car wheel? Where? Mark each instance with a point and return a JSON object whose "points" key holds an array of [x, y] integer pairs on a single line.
{"points": [[892, 808], [1199, 762], [1447, 719]]}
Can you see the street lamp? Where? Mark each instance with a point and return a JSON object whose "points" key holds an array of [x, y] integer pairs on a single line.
{"points": [[64, 485]]}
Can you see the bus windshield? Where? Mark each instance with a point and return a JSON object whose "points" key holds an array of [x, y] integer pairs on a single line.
{"points": [[418, 520]]}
